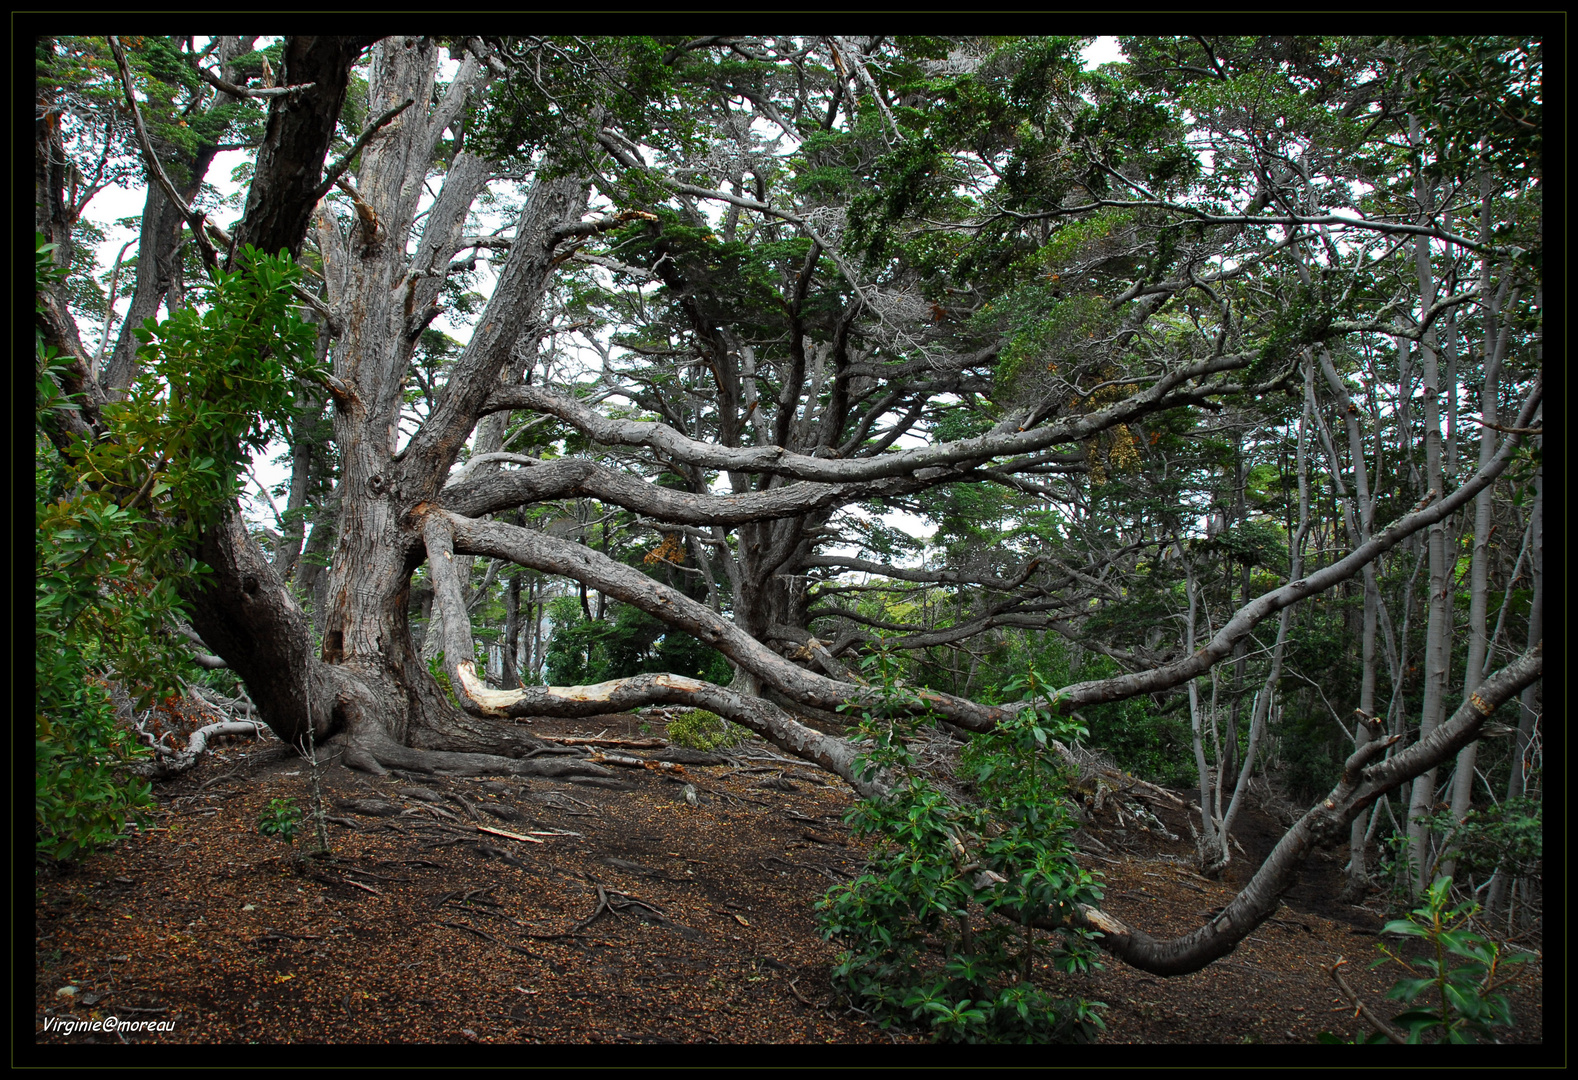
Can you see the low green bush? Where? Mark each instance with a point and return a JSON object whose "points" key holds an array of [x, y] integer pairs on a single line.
{"points": [[937, 933], [702, 730], [280, 819], [1459, 998]]}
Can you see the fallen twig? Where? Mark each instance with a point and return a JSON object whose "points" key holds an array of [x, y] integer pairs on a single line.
{"points": [[509, 835], [802, 999], [327, 880], [1360, 1008], [805, 866]]}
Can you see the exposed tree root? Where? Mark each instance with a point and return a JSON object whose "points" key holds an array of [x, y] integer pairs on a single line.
{"points": [[168, 762], [377, 755]]}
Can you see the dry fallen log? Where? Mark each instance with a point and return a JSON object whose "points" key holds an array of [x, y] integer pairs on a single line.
{"points": [[637, 763]]}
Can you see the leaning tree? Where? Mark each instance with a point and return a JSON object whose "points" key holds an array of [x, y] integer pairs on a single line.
{"points": [[808, 280]]}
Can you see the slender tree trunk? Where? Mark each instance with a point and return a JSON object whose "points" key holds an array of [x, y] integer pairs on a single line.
{"points": [[1438, 629], [1495, 345], [512, 630], [1528, 713]]}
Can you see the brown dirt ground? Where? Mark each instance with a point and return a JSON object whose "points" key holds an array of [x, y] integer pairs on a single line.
{"points": [[422, 930]]}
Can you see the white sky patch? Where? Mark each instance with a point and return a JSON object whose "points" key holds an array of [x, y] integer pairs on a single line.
{"points": [[1104, 50]]}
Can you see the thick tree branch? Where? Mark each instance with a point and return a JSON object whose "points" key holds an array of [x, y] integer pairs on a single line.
{"points": [[539, 551], [1169, 391], [1325, 824], [577, 477], [761, 716]]}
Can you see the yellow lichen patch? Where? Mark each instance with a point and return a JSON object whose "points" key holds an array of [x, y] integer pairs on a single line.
{"points": [[671, 550]]}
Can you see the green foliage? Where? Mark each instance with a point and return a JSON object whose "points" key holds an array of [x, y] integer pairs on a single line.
{"points": [[1140, 738], [1257, 543], [1508, 837], [116, 521], [1143, 741], [970, 875], [902, 184], [584, 651], [82, 796], [280, 819], [702, 730], [1479, 102], [435, 668], [1459, 999]]}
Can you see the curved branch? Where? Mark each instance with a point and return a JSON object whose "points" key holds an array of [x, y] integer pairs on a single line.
{"points": [[539, 551], [577, 477], [170, 762], [951, 577], [156, 170], [1280, 220], [761, 716], [242, 91], [1324, 824], [1167, 392], [443, 533]]}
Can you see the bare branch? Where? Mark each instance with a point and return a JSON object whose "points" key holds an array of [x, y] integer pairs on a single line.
{"points": [[1169, 391], [244, 92], [539, 551], [335, 171], [155, 169], [1325, 824], [1245, 619]]}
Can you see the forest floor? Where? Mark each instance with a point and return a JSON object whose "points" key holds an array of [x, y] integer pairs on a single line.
{"points": [[630, 917]]}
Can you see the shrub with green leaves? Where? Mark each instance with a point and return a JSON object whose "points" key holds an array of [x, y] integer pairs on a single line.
{"points": [[1508, 837], [937, 933], [1459, 999], [435, 668], [280, 819], [118, 518], [702, 730]]}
